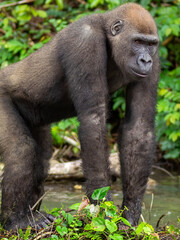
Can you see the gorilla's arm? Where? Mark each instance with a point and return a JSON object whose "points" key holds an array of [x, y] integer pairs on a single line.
{"points": [[137, 144], [85, 68]]}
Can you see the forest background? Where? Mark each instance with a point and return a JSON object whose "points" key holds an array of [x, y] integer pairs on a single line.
{"points": [[28, 24]]}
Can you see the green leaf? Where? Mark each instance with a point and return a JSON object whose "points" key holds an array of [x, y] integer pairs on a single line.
{"points": [[175, 29], [69, 218], [41, 13], [125, 221], [54, 237], [174, 135], [59, 229], [147, 230], [98, 224], [111, 212], [111, 226], [116, 236], [118, 102], [75, 206], [162, 91], [87, 227], [21, 233], [62, 230], [172, 154], [168, 31], [140, 228], [27, 233], [144, 227], [60, 4], [48, 1], [100, 193], [95, 3]]}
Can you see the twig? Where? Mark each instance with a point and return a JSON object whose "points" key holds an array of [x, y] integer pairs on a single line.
{"points": [[167, 40], [142, 218], [152, 200], [16, 3], [71, 141], [151, 205], [164, 170], [157, 225], [55, 153], [42, 235], [2, 31], [38, 201], [33, 219], [40, 213]]}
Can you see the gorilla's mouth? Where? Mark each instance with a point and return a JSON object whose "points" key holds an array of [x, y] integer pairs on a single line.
{"points": [[139, 74]]}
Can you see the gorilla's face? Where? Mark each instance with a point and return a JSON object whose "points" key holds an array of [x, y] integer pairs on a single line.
{"points": [[133, 48], [142, 49]]}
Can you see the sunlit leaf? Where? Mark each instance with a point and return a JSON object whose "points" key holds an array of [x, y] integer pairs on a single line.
{"points": [[98, 224], [60, 4], [111, 226], [100, 193]]}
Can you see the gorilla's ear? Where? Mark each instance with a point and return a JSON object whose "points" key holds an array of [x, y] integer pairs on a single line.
{"points": [[117, 27]]}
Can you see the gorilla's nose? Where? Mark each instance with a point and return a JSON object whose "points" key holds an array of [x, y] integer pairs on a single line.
{"points": [[145, 62]]}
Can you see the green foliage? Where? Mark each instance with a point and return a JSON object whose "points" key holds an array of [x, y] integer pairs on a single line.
{"points": [[26, 27], [97, 226], [66, 132], [106, 223], [119, 102], [64, 128], [168, 117], [25, 235]]}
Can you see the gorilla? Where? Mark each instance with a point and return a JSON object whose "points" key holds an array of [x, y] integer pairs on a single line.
{"points": [[75, 74]]}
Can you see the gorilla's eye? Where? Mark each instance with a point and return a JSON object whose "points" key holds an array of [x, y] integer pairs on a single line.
{"points": [[138, 41], [116, 27]]}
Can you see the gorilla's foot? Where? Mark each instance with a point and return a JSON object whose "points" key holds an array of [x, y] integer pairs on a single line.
{"points": [[36, 221], [132, 212], [42, 220]]}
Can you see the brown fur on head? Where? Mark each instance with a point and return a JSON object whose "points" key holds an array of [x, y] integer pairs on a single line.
{"points": [[134, 16], [139, 18]]}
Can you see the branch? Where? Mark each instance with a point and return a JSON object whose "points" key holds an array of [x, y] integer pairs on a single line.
{"points": [[16, 3], [167, 40], [71, 141], [73, 169], [164, 170]]}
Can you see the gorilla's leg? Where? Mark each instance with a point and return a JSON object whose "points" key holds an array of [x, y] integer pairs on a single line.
{"points": [[20, 186], [137, 145], [43, 139]]}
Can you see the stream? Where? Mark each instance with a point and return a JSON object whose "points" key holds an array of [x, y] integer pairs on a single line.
{"points": [[164, 196]]}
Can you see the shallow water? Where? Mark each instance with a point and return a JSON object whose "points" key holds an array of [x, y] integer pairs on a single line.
{"points": [[165, 194]]}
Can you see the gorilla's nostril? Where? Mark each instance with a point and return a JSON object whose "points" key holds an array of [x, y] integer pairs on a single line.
{"points": [[144, 60]]}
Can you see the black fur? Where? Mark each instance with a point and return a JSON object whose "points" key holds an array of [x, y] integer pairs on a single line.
{"points": [[74, 75]]}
